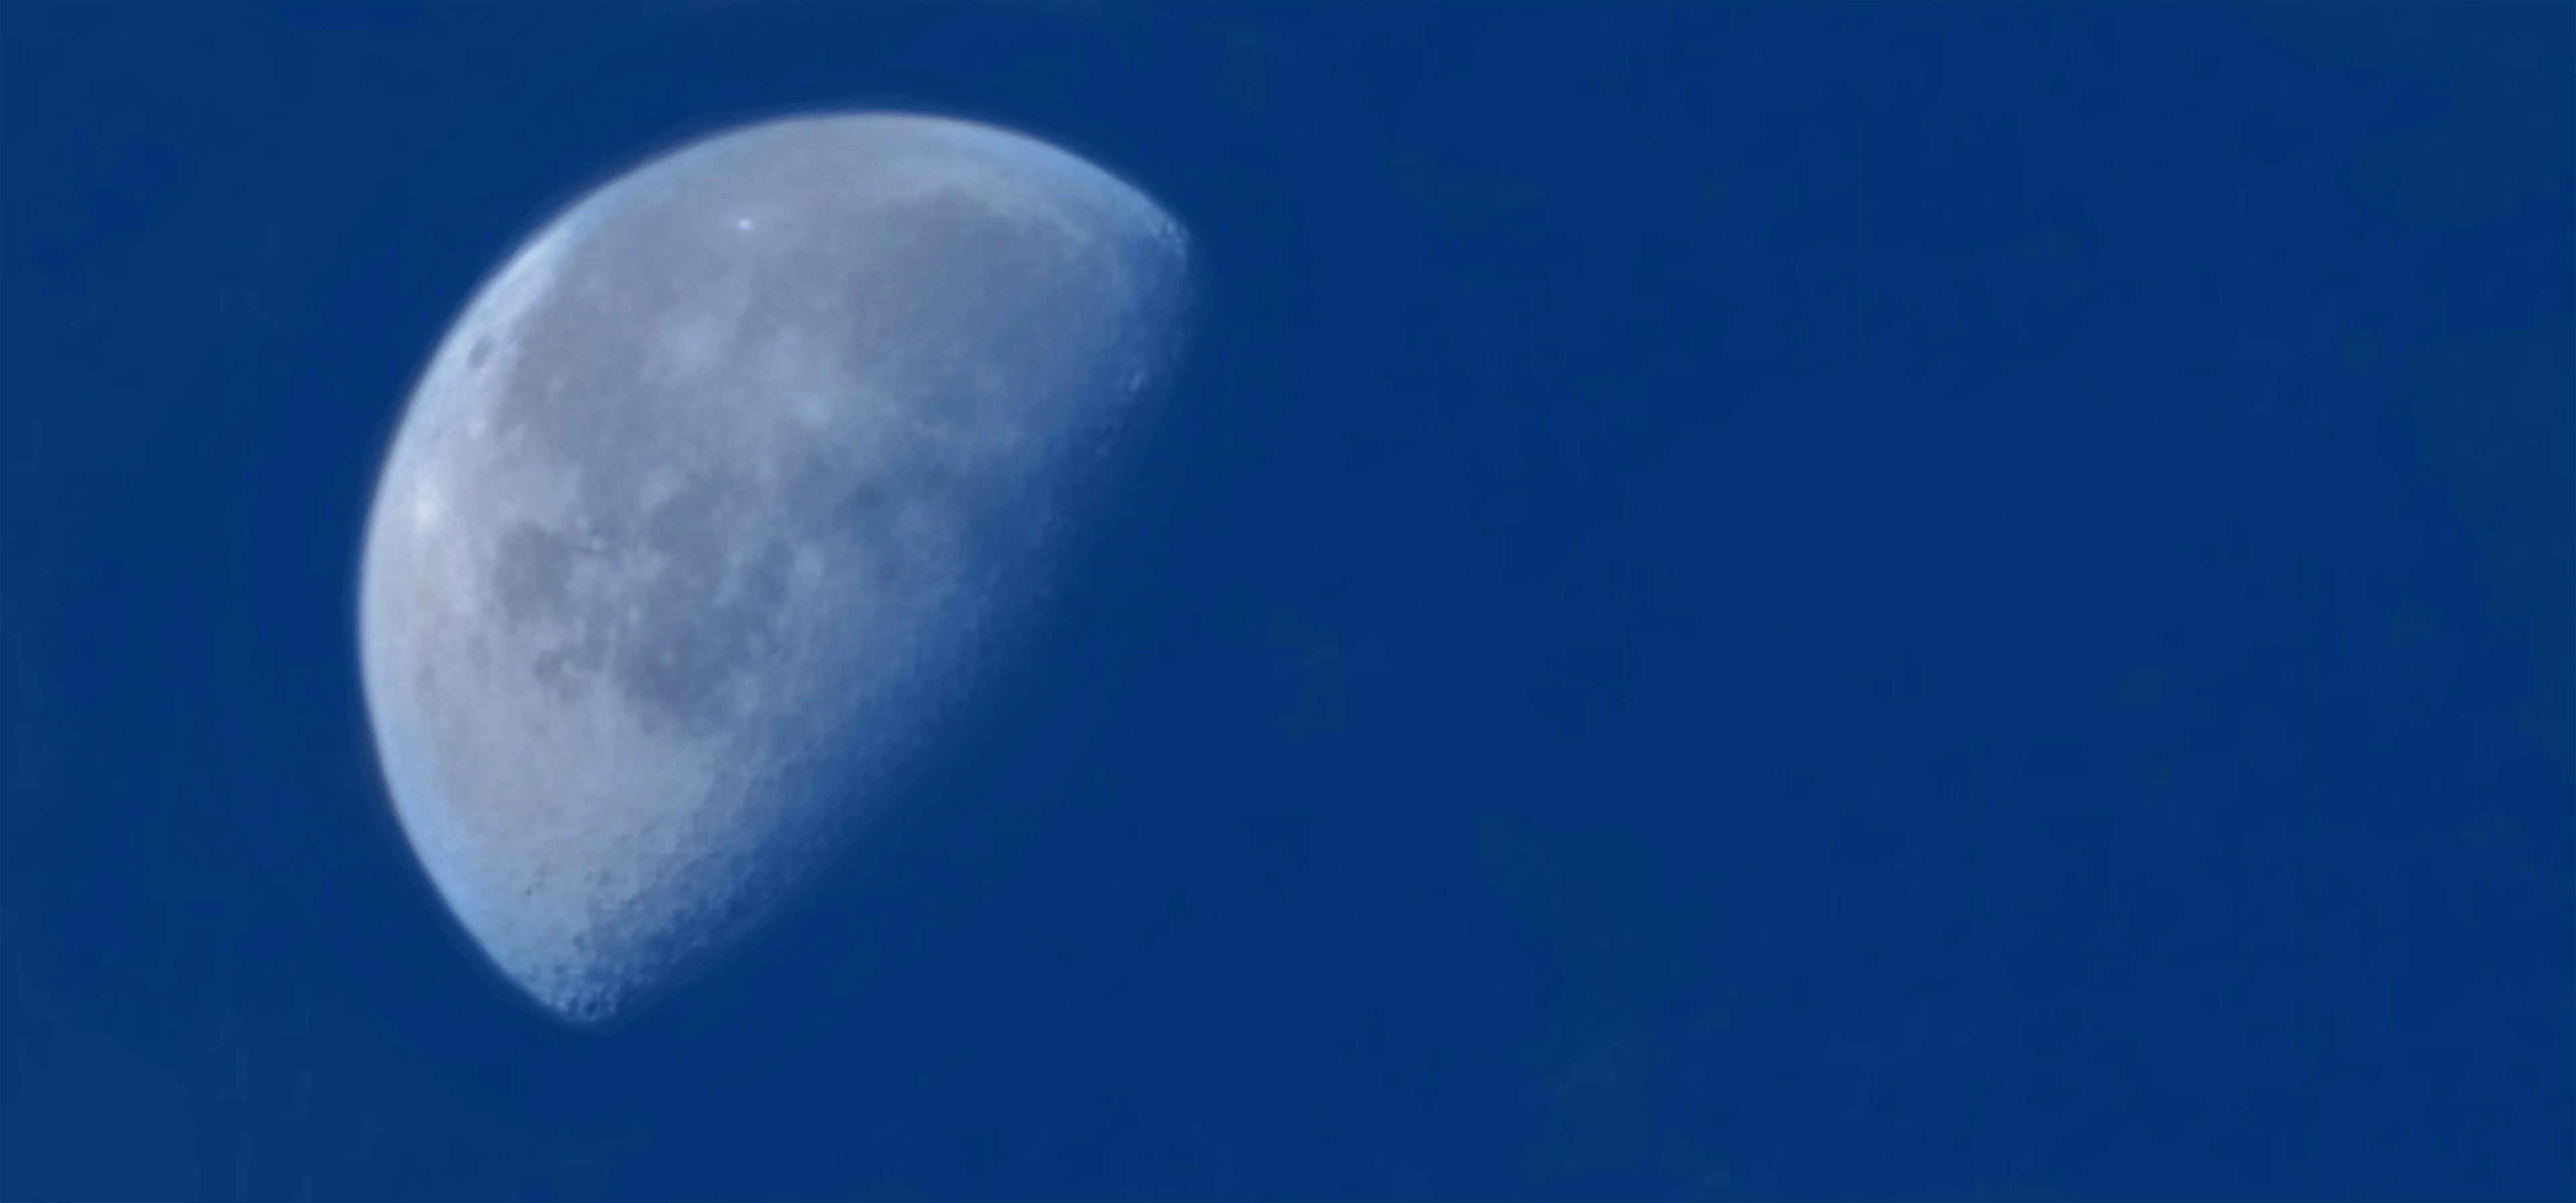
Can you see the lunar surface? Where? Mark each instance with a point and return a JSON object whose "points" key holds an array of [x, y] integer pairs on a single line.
{"points": [[712, 501]]}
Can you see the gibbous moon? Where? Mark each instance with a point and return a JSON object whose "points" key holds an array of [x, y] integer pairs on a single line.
{"points": [[709, 503]]}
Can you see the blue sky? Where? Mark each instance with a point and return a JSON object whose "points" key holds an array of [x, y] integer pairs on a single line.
{"points": [[1747, 601]]}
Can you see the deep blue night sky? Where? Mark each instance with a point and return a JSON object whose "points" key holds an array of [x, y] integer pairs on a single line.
{"points": [[1783, 602]]}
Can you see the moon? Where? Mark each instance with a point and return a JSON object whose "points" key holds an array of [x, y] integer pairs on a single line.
{"points": [[713, 501]]}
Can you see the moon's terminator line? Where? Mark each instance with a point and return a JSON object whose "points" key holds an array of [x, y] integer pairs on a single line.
{"points": [[710, 497]]}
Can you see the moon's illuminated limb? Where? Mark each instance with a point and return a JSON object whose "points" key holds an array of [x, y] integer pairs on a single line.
{"points": [[707, 500]]}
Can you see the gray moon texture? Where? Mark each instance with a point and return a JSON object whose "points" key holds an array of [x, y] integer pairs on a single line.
{"points": [[712, 502]]}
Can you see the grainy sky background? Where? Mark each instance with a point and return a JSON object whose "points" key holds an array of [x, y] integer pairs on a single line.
{"points": [[1811, 601]]}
